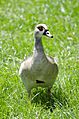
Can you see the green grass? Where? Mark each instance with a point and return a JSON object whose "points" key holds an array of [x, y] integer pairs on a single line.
{"points": [[17, 22]]}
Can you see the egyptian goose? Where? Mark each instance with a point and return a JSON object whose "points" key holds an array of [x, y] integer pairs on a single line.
{"points": [[39, 70]]}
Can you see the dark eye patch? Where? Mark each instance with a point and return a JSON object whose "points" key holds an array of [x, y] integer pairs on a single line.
{"points": [[40, 28], [45, 32]]}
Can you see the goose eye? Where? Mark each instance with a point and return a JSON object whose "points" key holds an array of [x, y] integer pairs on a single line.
{"points": [[47, 33], [40, 28]]}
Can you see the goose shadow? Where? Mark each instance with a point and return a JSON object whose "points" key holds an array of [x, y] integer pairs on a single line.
{"points": [[49, 101]]}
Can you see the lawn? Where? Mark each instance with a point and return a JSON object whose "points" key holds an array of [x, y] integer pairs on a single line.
{"points": [[17, 22]]}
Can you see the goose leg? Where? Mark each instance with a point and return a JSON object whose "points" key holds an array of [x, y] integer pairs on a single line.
{"points": [[49, 91], [29, 92]]}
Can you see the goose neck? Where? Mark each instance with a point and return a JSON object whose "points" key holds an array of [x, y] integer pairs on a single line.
{"points": [[38, 45]]}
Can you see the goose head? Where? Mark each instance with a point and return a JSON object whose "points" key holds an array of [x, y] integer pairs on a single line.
{"points": [[40, 30]]}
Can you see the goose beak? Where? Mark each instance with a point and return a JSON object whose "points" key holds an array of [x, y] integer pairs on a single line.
{"points": [[48, 34]]}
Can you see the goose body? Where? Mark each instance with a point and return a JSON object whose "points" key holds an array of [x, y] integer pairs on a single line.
{"points": [[38, 70]]}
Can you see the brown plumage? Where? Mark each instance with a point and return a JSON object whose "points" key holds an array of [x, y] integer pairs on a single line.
{"points": [[39, 70]]}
